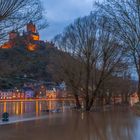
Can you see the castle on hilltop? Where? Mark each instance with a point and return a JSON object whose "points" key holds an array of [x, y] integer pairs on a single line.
{"points": [[29, 38]]}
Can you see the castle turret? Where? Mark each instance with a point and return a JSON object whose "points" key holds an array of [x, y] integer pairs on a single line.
{"points": [[31, 27], [13, 35], [32, 32]]}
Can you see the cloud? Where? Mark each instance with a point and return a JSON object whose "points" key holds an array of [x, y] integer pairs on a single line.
{"points": [[60, 13]]}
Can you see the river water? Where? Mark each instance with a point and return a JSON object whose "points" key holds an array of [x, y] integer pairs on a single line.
{"points": [[30, 110], [117, 123], [21, 108]]}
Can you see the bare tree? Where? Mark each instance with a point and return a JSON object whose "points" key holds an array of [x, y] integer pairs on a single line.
{"points": [[14, 14], [124, 18], [90, 42], [65, 70], [120, 85]]}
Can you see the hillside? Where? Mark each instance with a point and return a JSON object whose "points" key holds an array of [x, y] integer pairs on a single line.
{"points": [[18, 65]]}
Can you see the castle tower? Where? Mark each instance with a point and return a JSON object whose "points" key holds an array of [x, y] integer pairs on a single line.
{"points": [[31, 27], [13, 35], [32, 34]]}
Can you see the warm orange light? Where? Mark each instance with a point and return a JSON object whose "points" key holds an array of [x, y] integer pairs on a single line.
{"points": [[37, 108], [6, 45], [21, 107], [50, 105], [17, 108], [40, 106], [35, 37], [31, 47], [4, 107]]}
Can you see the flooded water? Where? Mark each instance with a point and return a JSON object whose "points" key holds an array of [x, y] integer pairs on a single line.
{"points": [[119, 123], [22, 111], [21, 107]]}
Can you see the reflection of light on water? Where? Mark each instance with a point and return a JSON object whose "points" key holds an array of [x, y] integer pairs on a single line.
{"points": [[21, 107], [4, 107], [63, 106], [25, 107], [82, 105], [82, 115], [37, 108], [14, 107], [40, 106], [17, 108], [50, 105]]}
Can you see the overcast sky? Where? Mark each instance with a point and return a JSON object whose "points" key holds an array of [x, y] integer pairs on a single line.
{"points": [[61, 13]]}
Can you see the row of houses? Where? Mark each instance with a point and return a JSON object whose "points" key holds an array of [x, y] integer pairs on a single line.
{"points": [[29, 92], [16, 94]]}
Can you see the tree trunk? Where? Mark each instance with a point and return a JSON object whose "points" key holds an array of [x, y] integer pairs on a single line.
{"points": [[109, 99], [122, 98], [138, 71], [89, 105], [88, 72], [78, 105], [126, 98], [102, 99], [114, 99], [94, 95], [87, 102], [138, 92]]}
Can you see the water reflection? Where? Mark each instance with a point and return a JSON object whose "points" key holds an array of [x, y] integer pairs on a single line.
{"points": [[37, 108], [4, 108], [112, 125], [116, 124], [21, 108]]}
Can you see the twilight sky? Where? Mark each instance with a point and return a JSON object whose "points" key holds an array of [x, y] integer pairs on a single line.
{"points": [[61, 13]]}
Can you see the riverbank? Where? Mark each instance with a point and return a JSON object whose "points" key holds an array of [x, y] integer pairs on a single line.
{"points": [[115, 124]]}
